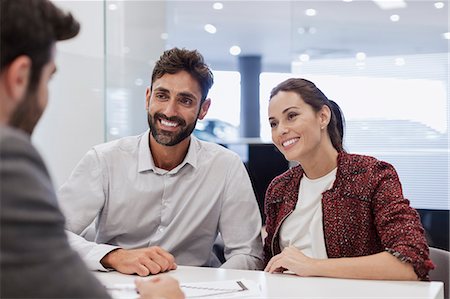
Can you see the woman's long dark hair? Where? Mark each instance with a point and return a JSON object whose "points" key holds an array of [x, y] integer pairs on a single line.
{"points": [[314, 97]]}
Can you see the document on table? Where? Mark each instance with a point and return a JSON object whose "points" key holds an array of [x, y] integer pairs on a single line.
{"points": [[217, 289], [122, 290], [223, 289]]}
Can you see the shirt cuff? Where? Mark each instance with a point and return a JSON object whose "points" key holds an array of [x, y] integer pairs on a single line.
{"points": [[243, 262], [94, 256]]}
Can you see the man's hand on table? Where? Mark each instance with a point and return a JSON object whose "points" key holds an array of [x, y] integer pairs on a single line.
{"points": [[143, 261]]}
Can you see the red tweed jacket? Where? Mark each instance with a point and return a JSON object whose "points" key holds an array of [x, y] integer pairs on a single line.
{"points": [[363, 213]]}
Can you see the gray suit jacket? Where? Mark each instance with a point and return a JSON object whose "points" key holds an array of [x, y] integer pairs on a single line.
{"points": [[36, 260]]}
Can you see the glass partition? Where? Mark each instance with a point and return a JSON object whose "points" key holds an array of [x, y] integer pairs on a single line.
{"points": [[384, 67], [135, 32]]}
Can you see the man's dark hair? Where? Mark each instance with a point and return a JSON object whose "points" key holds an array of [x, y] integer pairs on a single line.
{"points": [[31, 27], [175, 60]]}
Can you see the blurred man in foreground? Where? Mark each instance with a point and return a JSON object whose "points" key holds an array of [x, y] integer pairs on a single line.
{"points": [[36, 260]]}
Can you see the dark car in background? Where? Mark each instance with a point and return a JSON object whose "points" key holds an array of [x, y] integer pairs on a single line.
{"points": [[215, 130]]}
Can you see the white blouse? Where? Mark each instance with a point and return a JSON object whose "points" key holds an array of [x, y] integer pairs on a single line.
{"points": [[303, 228]]}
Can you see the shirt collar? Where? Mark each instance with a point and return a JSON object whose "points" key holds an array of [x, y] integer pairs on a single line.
{"points": [[145, 160]]}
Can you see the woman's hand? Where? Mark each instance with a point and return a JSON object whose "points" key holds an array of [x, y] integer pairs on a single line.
{"points": [[293, 260], [381, 265], [159, 287]]}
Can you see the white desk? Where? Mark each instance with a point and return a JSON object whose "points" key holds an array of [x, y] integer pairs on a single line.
{"points": [[291, 286]]}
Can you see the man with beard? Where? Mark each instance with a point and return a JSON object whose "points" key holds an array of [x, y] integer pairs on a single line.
{"points": [[144, 204], [36, 260]]}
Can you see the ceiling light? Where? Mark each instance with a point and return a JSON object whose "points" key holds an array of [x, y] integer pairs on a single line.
{"points": [[360, 56], [312, 30], [218, 5], [439, 5], [138, 82], [113, 131], [210, 28], [395, 18], [164, 35], [235, 50], [347, 0], [112, 6], [304, 57], [390, 4], [399, 61], [310, 12], [308, 30], [446, 35]]}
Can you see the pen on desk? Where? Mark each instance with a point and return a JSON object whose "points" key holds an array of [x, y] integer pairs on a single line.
{"points": [[242, 285]]}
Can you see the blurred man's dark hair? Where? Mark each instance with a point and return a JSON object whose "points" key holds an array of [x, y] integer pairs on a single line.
{"points": [[31, 28]]}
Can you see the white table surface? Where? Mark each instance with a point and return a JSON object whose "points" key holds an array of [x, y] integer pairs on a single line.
{"points": [[291, 286]]}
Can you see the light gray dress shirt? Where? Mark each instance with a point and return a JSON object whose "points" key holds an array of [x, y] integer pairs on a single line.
{"points": [[117, 197]]}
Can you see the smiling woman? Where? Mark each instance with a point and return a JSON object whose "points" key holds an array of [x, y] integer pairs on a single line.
{"points": [[336, 214]]}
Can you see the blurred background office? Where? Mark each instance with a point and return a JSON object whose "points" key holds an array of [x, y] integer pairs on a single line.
{"points": [[385, 62]]}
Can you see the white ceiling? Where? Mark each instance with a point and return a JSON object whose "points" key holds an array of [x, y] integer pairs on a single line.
{"points": [[270, 29]]}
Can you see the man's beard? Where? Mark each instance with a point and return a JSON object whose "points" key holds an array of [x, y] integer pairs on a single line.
{"points": [[168, 138], [27, 113]]}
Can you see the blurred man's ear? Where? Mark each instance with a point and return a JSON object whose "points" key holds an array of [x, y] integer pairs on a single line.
{"points": [[148, 94], [17, 77], [204, 108]]}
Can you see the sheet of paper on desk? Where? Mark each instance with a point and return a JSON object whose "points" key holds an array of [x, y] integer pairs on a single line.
{"points": [[122, 291], [217, 289], [221, 289]]}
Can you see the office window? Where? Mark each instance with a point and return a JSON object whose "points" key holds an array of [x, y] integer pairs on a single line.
{"points": [[225, 97]]}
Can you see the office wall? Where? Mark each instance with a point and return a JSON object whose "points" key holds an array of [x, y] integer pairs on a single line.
{"points": [[74, 119]]}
